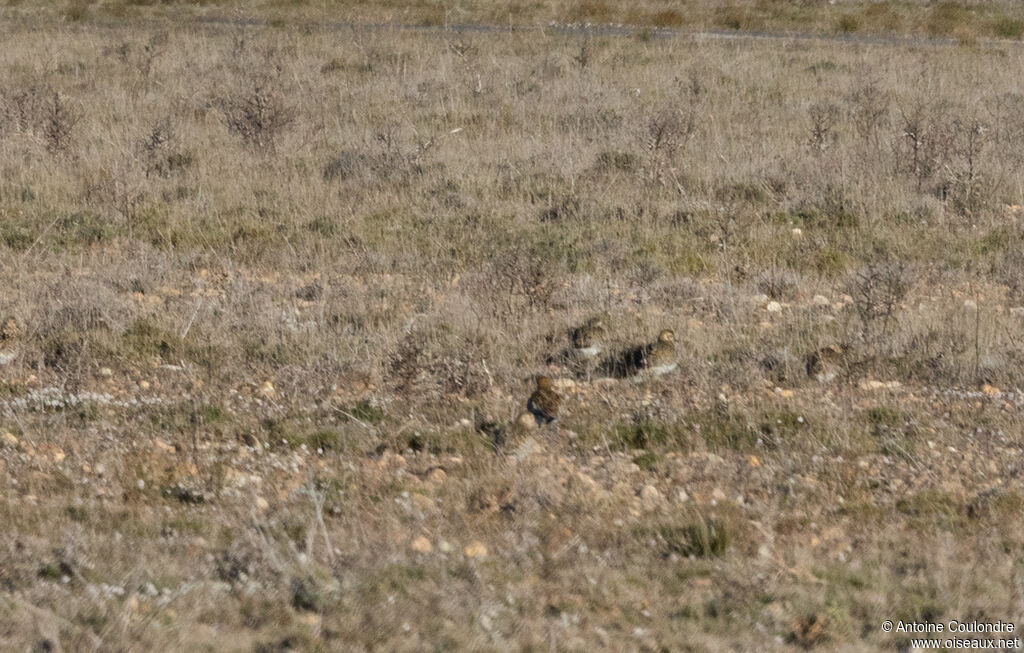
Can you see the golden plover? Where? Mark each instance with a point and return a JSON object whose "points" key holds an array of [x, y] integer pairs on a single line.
{"points": [[544, 402], [588, 340], [660, 356], [655, 358], [652, 359], [10, 331], [825, 364]]}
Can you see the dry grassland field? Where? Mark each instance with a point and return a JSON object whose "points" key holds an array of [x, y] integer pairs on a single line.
{"points": [[274, 294]]}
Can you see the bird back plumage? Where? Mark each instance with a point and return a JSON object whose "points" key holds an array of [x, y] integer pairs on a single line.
{"points": [[544, 402]]}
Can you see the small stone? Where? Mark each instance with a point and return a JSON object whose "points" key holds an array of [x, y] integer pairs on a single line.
{"points": [[53, 452], [990, 390], [144, 385], [650, 495], [563, 384], [475, 549], [874, 384], [797, 231], [237, 479], [444, 546], [970, 305], [422, 502], [821, 300], [106, 372], [682, 496], [267, 390], [309, 619], [437, 475], [585, 482], [8, 440], [527, 421], [261, 503], [528, 448], [422, 545], [773, 307]]}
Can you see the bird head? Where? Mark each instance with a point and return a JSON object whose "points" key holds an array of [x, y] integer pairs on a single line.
{"points": [[9, 329], [595, 322], [543, 383], [667, 335]]}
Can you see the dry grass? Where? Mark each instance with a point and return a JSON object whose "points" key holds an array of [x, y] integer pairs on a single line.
{"points": [[965, 20], [280, 295]]}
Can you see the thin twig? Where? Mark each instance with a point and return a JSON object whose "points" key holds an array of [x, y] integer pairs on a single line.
{"points": [[188, 326]]}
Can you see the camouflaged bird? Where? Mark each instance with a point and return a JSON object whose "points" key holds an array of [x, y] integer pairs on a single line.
{"points": [[10, 331], [825, 364], [588, 340], [544, 402], [660, 356]]}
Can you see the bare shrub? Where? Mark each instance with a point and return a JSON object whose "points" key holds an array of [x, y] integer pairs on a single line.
{"points": [[965, 183], [388, 158], [386, 165], [435, 360], [23, 107], [346, 165], [260, 116], [878, 290], [160, 152], [824, 117], [920, 147], [524, 276], [779, 283], [562, 208], [668, 130], [71, 320], [1005, 117], [39, 110], [150, 53], [585, 55], [59, 119], [868, 110]]}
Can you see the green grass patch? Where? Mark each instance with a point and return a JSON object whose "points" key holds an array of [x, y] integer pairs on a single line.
{"points": [[698, 537], [364, 411], [1008, 27]]}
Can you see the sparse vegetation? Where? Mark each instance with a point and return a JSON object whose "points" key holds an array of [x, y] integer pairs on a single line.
{"points": [[275, 291]]}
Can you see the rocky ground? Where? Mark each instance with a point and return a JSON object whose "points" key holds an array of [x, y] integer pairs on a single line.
{"points": [[150, 509], [279, 291]]}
